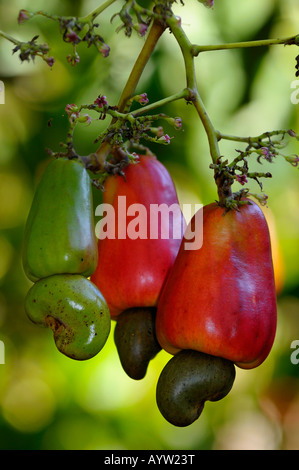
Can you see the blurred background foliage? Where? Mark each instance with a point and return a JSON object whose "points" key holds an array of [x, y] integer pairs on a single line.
{"points": [[48, 401]]}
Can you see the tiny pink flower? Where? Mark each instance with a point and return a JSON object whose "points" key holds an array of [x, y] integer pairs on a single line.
{"points": [[50, 61], [262, 198], [72, 110], [101, 101], [241, 179], [104, 49], [265, 152], [177, 123], [71, 36], [24, 15], [165, 139], [142, 99], [142, 29]]}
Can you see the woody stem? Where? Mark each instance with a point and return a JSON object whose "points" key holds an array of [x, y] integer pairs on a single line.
{"points": [[155, 32]]}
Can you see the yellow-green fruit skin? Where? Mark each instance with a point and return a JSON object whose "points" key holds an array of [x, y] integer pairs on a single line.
{"points": [[59, 234], [75, 310]]}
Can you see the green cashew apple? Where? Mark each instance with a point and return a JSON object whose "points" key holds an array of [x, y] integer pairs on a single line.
{"points": [[187, 381], [59, 234], [76, 311]]}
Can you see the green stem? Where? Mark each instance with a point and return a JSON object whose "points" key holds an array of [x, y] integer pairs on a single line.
{"points": [[186, 48], [91, 16], [196, 49], [251, 140], [154, 34], [177, 96], [10, 38], [84, 19]]}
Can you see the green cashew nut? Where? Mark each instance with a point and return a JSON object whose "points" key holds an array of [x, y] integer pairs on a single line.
{"points": [[187, 381], [76, 311], [135, 339]]}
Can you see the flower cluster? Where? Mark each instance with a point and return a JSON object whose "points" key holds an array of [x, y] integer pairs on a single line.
{"points": [[101, 101], [265, 148], [134, 18], [74, 32], [71, 29], [29, 50], [123, 134]]}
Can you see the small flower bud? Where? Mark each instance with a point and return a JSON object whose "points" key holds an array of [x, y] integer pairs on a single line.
{"points": [[50, 61], [72, 110], [24, 15], [142, 99], [71, 36], [73, 59], [177, 123], [104, 49], [84, 118], [261, 198], [292, 133], [165, 139], [293, 160], [142, 28], [266, 154]]}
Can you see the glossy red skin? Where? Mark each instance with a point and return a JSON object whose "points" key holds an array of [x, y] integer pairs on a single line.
{"points": [[221, 299], [131, 273]]}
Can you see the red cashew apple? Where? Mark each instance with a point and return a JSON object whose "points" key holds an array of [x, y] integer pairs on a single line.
{"points": [[133, 264], [220, 299]]}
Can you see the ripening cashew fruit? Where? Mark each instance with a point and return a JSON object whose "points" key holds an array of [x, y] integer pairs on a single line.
{"points": [[75, 310], [59, 234], [221, 299], [132, 266], [187, 381], [217, 309], [59, 253]]}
